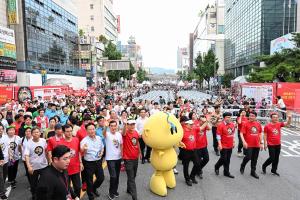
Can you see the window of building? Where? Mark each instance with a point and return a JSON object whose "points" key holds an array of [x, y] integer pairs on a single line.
{"points": [[220, 29], [92, 17], [92, 28], [91, 6]]}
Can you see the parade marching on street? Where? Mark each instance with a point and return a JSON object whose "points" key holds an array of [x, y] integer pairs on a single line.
{"points": [[103, 121]]}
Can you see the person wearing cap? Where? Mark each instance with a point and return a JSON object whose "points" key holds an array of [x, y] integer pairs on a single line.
{"points": [[272, 141], [55, 140], [53, 182], [188, 153], [251, 135], [131, 151], [225, 137]]}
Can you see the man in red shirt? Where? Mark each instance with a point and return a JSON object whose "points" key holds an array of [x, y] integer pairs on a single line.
{"points": [[75, 166], [201, 144], [272, 140], [82, 133], [188, 153], [225, 137], [252, 142], [241, 120], [131, 151], [54, 141]]}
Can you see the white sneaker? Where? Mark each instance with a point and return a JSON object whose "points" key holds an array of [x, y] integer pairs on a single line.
{"points": [[175, 171], [240, 155]]}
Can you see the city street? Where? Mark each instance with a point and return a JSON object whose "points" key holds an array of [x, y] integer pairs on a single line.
{"points": [[213, 187]]}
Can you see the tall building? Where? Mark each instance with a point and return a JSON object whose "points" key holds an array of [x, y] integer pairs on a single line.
{"points": [[182, 59], [96, 17], [249, 28], [132, 51], [209, 33], [48, 37]]}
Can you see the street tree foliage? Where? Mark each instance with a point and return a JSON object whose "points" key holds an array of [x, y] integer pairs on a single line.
{"points": [[283, 66], [206, 67], [103, 39], [141, 75], [227, 79], [81, 32]]}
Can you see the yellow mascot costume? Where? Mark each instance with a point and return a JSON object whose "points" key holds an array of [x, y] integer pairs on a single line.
{"points": [[162, 132]]}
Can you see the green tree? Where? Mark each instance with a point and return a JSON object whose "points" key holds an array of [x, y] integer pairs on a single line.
{"points": [[206, 67], [141, 75], [283, 66], [227, 79], [111, 52], [81, 32], [103, 39]]}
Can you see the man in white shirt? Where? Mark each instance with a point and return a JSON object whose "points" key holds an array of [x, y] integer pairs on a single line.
{"points": [[140, 123], [155, 109], [92, 148], [35, 158], [4, 144], [113, 145]]}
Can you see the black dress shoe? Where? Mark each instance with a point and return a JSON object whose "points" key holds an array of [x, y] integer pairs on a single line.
{"points": [[229, 175], [217, 171], [242, 169], [263, 170], [217, 153], [200, 176], [275, 173], [96, 193], [253, 174], [189, 182], [194, 181], [127, 191]]}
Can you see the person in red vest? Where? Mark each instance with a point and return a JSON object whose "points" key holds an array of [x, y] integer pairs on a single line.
{"points": [[131, 152], [251, 135], [188, 153], [272, 140], [225, 137], [201, 144]]}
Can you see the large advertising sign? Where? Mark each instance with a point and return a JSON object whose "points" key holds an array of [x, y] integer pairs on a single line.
{"points": [[12, 11], [8, 76], [287, 91], [259, 92], [7, 48], [283, 42]]}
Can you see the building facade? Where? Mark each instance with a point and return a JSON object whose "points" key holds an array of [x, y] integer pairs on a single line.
{"points": [[96, 17], [250, 26], [182, 59], [209, 33], [132, 51], [48, 38]]}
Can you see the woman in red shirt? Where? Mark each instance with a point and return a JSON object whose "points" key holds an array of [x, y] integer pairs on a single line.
{"points": [[189, 152]]}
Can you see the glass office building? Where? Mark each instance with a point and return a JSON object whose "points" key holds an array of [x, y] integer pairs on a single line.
{"points": [[51, 36], [250, 26]]}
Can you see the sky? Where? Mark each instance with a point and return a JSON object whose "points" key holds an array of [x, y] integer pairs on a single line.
{"points": [[159, 26]]}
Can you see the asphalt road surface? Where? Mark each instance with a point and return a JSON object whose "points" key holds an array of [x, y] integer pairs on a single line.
{"points": [[212, 187]]}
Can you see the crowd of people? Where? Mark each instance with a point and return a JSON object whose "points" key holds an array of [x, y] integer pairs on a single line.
{"points": [[63, 142]]}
